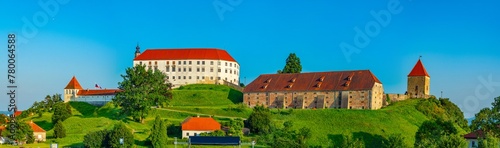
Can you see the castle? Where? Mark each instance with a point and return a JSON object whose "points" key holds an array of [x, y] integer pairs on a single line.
{"points": [[191, 65], [359, 89], [75, 92]]}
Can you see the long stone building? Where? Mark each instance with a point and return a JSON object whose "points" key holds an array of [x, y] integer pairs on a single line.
{"points": [[359, 89], [191, 65]]}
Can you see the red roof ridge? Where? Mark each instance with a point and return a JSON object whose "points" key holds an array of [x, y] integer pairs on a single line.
{"points": [[73, 84], [185, 53], [35, 127], [419, 70], [200, 123]]}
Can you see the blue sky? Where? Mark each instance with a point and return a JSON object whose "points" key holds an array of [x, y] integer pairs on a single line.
{"points": [[95, 40]]}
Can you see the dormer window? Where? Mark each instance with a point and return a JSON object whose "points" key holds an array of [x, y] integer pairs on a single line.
{"points": [[289, 86], [268, 80], [321, 78], [293, 80]]}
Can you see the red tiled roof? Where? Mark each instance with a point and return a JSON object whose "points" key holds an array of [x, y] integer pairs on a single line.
{"points": [[317, 81], [200, 123], [474, 135], [185, 53], [17, 113], [35, 127], [73, 84], [419, 70], [1, 129], [96, 92]]}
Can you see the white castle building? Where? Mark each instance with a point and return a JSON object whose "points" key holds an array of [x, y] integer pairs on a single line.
{"points": [[191, 65]]}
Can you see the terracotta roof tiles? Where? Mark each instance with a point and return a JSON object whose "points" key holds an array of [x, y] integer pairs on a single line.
{"points": [[419, 70], [73, 84], [185, 53], [93, 92], [201, 124], [35, 127]]}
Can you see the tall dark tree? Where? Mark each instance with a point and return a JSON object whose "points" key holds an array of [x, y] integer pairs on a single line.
{"points": [[142, 89], [158, 136], [59, 130], [121, 131], [292, 64], [61, 112], [260, 120]]}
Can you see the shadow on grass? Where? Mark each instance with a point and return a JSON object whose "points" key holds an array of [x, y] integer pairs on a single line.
{"points": [[174, 131], [74, 145], [45, 125], [235, 96]]}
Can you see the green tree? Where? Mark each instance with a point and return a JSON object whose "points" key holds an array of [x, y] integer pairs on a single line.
{"points": [[432, 133], [452, 141], [59, 130], [142, 89], [97, 139], [350, 142], [121, 131], [488, 142], [61, 112], [236, 127], [217, 133], [260, 120], [394, 141], [23, 132], [158, 136], [292, 64], [303, 134]]}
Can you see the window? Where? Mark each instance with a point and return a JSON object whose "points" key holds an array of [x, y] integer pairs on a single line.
{"points": [[197, 62], [184, 69], [230, 64], [189, 62], [218, 63], [184, 77], [203, 77], [202, 62], [179, 77], [189, 77], [179, 62], [226, 70], [218, 78], [167, 69], [202, 69], [226, 63], [167, 77], [189, 69], [211, 78], [184, 62], [211, 69], [179, 69], [173, 69], [187, 133], [197, 69], [211, 62], [197, 77], [219, 70]]}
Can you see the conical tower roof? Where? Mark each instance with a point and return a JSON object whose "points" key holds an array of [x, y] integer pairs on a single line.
{"points": [[419, 70], [73, 84]]}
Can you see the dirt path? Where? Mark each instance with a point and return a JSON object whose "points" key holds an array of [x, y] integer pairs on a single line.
{"points": [[201, 114]]}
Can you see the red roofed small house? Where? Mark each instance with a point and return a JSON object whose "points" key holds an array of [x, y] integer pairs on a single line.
{"points": [[191, 65], [39, 133], [472, 138], [75, 92], [193, 126], [419, 82]]}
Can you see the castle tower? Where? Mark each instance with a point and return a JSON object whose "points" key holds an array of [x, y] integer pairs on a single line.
{"points": [[71, 90], [419, 82], [137, 50]]}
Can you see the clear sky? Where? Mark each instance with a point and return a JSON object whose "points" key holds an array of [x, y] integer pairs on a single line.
{"points": [[459, 41]]}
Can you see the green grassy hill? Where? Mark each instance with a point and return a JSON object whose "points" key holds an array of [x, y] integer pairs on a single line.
{"points": [[327, 125]]}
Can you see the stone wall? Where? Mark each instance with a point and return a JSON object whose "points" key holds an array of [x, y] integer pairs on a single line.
{"points": [[396, 97], [359, 99], [418, 86]]}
